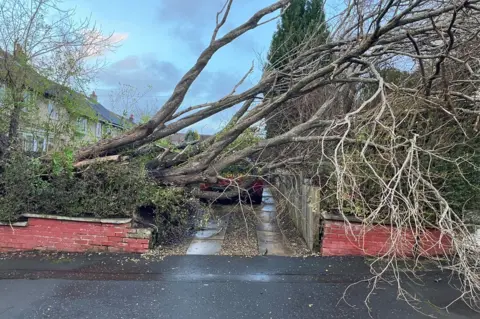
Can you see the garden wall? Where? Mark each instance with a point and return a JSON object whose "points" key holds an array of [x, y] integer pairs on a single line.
{"points": [[69, 234], [341, 239]]}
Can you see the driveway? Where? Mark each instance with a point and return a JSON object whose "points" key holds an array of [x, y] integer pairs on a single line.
{"points": [[106, 286]]}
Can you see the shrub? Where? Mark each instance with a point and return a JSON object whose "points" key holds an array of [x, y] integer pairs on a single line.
{"points": [[103, 190], [18, 185]]}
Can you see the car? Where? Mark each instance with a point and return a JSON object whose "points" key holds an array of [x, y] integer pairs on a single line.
{"points": [[236, 177]]}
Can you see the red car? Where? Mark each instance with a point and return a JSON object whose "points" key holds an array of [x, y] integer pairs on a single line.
{"points": [[252, 192]]}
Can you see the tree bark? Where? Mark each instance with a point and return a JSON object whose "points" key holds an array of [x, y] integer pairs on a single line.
{"points": [[14, 125]]}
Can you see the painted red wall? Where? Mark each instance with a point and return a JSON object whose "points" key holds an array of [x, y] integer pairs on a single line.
{"points": [[341, 239], [73, 236]]}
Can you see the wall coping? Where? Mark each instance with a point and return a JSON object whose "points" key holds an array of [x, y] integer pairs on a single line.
{"points": [[81, 219], [342, 218], [16, 224]]}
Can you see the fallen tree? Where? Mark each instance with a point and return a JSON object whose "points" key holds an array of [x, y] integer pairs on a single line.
{"points": [[402, 153], [354, 54]]}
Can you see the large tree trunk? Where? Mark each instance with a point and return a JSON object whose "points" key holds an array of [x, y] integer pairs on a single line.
{"points": [[349, 63], [167, 111]]}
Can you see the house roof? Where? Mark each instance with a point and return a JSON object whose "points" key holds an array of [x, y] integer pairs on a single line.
{"points": [[82, 101], [82, 105], [106, 115]]}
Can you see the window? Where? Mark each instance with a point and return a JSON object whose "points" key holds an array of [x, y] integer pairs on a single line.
{"points": [[33, 143], [3, 95], [82, 124], [98, 129], [28, 143], [52, 112], [41, 143]]}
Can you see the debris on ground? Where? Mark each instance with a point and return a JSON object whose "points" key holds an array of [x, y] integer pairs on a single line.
{"points": [[172, 249], [291, 236], [241, 235]]}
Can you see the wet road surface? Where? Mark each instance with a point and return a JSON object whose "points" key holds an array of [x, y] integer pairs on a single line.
{"points": [[103, 286]]}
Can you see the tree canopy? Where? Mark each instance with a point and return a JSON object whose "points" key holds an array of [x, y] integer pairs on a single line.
{"points": [[302, 19]]}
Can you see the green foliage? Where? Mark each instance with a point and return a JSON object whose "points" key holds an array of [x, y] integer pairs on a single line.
{"points": [[303, 18], [171, 211], [145, 118], [390, 75], [459, 180], [103, 191], [192, 136], [20, 179], [238, 169], [62, 162], [165, 143], [302, 26], [247, 138]]}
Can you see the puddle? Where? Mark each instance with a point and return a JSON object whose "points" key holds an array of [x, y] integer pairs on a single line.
{"points": [[205, 247], [268, 208], [268, 200], [209, 241]]}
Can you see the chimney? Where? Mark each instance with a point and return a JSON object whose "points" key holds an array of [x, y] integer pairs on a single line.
{"points": [[93, 96], [131, 118], [17, 50]]}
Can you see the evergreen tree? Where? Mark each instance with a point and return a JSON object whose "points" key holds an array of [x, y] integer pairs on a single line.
{"points": [[192, 136], [301, 20]]}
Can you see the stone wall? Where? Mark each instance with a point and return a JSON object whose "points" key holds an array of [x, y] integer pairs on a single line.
{"points": [[66, 234], [340, 239]]}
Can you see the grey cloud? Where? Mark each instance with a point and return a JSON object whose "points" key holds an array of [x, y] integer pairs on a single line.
{"points": [[188, 11], [157, 79], [189, 20], [141, 72], [193, 22], [214, 85], [130, 62]]}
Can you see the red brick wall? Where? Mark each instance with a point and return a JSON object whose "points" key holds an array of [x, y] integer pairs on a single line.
{"points": [[73, 236], [340, 239]]}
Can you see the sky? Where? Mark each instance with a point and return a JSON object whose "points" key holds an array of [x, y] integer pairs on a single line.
{"points": [[160, 41]]}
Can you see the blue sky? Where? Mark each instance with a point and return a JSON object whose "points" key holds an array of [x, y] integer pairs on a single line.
{"points": [[162, 40]]}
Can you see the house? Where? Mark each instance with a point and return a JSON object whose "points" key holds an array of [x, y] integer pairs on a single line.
{"points": [[53, 115], [58, 119]]}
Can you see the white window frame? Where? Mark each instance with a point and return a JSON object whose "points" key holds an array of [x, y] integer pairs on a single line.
{"points": [[35, 145], [98, 129], [52, 112], [82, 124], [3, 91], [26, 136]]}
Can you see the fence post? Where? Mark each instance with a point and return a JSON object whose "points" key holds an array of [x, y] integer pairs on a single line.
{"points": [[305, 211], [314, 223]]}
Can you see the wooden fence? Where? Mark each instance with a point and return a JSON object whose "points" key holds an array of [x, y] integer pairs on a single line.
{"points": [[301, 202]]}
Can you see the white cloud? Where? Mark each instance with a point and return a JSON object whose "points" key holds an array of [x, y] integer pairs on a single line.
{"points": [[97, 44]]}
